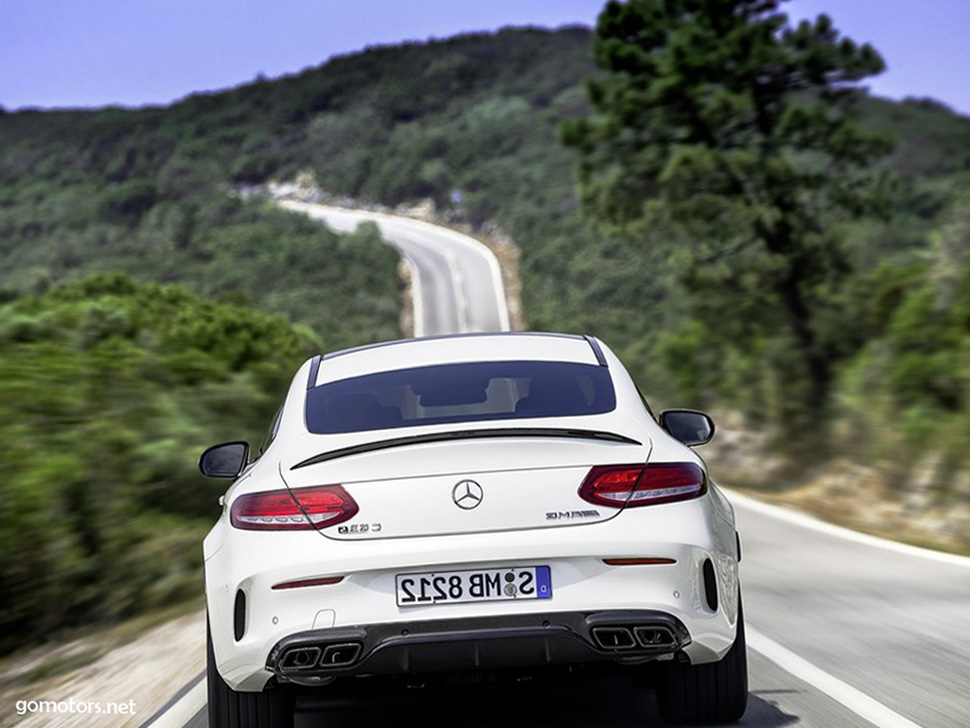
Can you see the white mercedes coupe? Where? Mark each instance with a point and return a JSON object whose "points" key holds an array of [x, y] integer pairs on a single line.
{"points": [[502, 504]]}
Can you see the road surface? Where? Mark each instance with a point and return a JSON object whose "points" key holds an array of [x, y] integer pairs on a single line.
{"points": [[844, 630], [458, 284]]}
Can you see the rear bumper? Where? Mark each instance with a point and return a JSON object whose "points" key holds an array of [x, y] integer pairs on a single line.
{"points": [[510, 641], [251, 563]]}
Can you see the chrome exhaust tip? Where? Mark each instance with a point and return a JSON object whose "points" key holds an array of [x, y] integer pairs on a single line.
{"points": [[654, 636], [299, 658], [613, 638], [340, 655]]}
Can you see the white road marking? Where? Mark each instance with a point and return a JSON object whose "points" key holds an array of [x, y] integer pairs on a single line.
{"points": [[457, 282], [810, 522], [185, 709], [470, 243], [491, 259], [856, 701]]}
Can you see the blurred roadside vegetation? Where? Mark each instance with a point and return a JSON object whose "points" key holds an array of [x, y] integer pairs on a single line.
{"points": [[108, 389], [109, 393]]}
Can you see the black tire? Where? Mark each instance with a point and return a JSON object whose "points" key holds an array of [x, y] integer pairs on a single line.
{"points": [[272, 708], [713, 693]]}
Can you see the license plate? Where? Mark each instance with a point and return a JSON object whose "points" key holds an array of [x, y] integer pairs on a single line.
{"points": [[481, 585]]}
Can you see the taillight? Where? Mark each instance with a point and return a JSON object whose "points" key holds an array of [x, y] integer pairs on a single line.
{"points": [[643, 485], [301, 509], [610, 485]]}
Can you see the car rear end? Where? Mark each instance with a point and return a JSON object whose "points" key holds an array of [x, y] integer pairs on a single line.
{"points": [[647, 595], [435, 525]]}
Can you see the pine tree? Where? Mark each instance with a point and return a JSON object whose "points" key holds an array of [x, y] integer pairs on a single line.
{"points": [[718, 125]]}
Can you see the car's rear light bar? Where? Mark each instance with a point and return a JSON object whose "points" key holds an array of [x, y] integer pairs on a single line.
{"points": [[300, 509], [622, 486], [635, 561], [322, 581]]}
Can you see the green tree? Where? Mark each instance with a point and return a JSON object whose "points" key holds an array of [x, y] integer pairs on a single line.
{"points": [[720, 129]]}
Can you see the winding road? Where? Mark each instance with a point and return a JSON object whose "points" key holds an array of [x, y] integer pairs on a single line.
{"points": [[845, 630], [456, 279]]}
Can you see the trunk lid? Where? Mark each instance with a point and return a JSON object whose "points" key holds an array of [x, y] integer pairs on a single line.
{"points": [[468, 486]]}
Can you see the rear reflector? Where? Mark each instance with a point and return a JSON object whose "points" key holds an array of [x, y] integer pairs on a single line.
{"points": [[300, 509], [635, 562], [323, 581], [643, 485]]}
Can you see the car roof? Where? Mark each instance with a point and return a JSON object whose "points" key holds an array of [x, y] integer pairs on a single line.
{"points": [[455, 348]]}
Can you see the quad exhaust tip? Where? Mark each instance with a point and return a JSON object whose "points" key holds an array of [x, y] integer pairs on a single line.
{"points": [[655, 637], [614, 638], [312, 658], [340, 655], [300, 658]]}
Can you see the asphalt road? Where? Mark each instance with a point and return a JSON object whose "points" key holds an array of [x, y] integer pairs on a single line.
{"points": [[458, 285], [845, 630]]}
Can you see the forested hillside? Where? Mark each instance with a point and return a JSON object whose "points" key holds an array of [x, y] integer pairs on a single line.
{"points": [[149, 193], [144, 191], [133, 191]]}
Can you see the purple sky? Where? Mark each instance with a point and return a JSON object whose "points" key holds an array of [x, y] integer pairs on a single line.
{"points": [[132, 52]]}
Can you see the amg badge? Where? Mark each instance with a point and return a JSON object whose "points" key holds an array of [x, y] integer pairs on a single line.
{"points": [[569, 515]]}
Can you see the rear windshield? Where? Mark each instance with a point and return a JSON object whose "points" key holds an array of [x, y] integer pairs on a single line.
{"points": [[480, 391]]}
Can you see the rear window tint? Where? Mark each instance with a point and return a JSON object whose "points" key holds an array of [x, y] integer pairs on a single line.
{"points": [[473, 392]]}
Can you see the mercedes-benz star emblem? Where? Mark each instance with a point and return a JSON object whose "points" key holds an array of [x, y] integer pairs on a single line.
{"points": [[467, 494]]}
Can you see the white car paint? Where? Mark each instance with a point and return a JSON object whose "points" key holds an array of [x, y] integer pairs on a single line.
{"points": [[408, 490]]}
